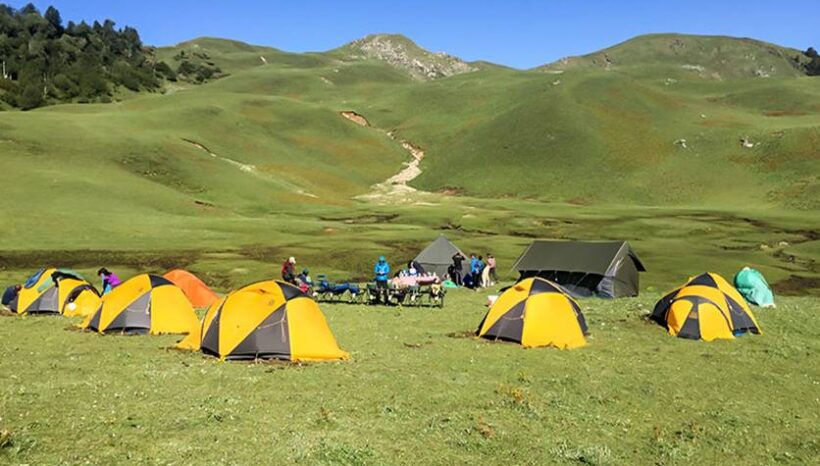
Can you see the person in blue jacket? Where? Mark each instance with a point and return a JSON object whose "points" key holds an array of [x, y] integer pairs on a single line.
{"points": [[10, 295], [475, 270], [382, 272]]}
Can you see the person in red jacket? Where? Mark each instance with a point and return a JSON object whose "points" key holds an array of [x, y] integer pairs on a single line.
{"points": [[288, 271]]}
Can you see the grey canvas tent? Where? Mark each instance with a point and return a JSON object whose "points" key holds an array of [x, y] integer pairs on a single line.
{"points": [[437, 257], [585, 268]]}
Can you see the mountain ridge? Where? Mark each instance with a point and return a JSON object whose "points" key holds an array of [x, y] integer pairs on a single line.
{"points": [[711, 56], [793, 57]]}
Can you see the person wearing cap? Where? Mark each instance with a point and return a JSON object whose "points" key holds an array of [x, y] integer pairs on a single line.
{"points": [[288, 272], [382, 272], [304, 280]]}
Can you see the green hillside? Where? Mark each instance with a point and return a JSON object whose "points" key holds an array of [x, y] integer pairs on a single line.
{"points": [[706, 57], [263, 155], [232, 56], [613, 134]]}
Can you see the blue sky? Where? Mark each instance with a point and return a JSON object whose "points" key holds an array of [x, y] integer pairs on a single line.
{"points": [[517, 33]]}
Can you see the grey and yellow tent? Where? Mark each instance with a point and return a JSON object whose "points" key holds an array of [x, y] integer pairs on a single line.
{"points": [[606, 269], [535, 312], [265, 320], [706, 308], [56, 291], [143, 304]]}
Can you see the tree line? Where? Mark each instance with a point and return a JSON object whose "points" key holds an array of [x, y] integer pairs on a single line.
{"points": [[44, 61]]}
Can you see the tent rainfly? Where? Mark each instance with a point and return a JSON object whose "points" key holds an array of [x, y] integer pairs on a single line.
{"points": [[437, 257], [607, 269]]}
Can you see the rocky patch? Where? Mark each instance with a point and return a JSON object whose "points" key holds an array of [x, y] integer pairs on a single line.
{"points": [[404, 54]]}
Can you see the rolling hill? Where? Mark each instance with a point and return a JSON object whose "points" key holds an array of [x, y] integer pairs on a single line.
{"points": [[709, 57], [649, 128], [629, 133], [265, 151]]}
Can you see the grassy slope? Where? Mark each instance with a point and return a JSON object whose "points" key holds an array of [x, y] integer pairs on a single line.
{"points": [[632, 397], [714, 57], [412, 394], [118, 177], [608, 137], [601, 136]]}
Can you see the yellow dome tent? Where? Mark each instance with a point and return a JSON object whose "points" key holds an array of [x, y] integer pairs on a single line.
{"points": [[143, 304], [69, 295], [31, 294], [706, 308], [265, 320], [535, 312], [77, 298]]}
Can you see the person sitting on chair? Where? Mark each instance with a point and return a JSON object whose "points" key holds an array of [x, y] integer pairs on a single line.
{"points": [[414, 265], [288, 272], [304, 281]]}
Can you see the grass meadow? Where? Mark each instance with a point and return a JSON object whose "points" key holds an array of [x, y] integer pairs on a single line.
{"points": [[419, 389], [230, 178]]}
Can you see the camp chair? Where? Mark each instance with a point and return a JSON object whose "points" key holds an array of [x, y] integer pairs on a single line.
{"points": [[413, 295], [354, 293], [323, 289], [393, 295], [371, 293], [328, 291], [435, 295]]}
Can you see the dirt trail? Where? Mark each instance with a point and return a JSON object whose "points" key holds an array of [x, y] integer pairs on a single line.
{"points": [[396, 188], [250, 169]]}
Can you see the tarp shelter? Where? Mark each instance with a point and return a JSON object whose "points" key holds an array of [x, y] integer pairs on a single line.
{"points": [[754, 287], [70, 295], [607, 269], [195, 289], [437, 257], [706, 308], [143, 304], [265, 320], [535, 312]]}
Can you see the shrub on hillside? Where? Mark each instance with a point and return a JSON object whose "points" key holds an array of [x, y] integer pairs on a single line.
{"points": [[813, 66], [197, 72]]}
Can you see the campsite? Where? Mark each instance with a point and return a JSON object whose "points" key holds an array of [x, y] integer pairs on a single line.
{"points": [[651, 204]]}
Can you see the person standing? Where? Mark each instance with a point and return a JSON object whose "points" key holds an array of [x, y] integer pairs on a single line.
{"points": [[458, 261], [288, 272], [482, 268], [382, 272], [475, 273], [110, 280], [491, 265]]}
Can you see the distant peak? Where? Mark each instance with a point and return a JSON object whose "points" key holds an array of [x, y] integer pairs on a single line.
{"points": [[383, 37], [403, 53]]}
